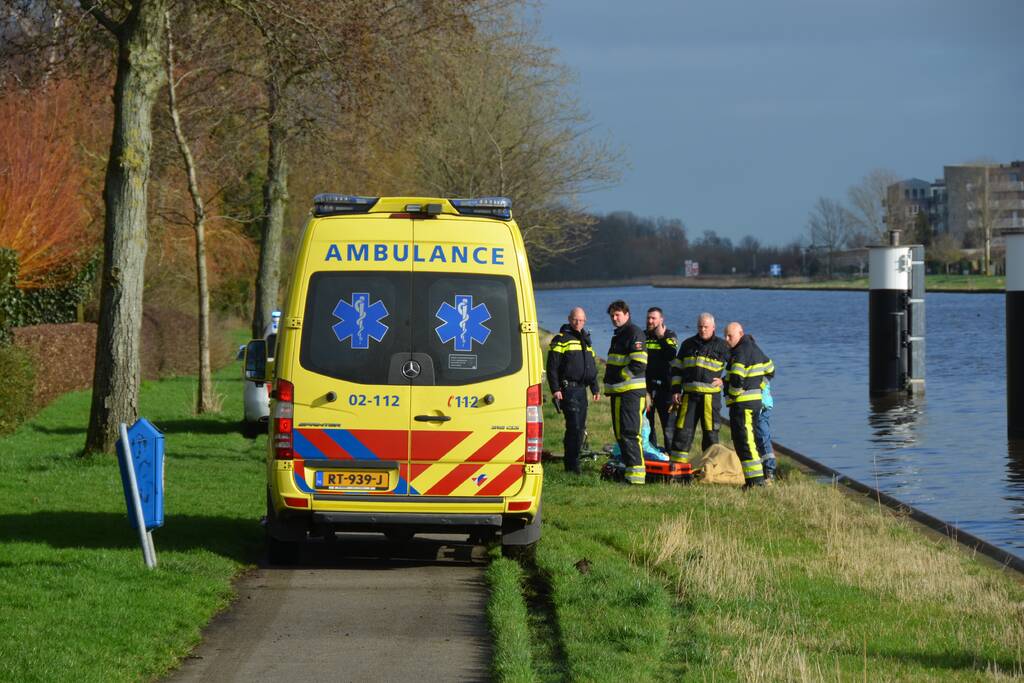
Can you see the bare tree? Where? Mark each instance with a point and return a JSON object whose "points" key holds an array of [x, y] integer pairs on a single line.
{"points": [[988, 207], [945, 250], [750, 246], [204, 399], [829, 225], [507, 124], [138, 32], [314, 52], [868, 206], [56, 33]]}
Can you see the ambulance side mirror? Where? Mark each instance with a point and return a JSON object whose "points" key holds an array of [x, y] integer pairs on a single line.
{"points": [[255, 366]]}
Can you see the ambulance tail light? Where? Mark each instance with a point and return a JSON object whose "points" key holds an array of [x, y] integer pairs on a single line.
{"points": [[284, 411], [534, 425]]}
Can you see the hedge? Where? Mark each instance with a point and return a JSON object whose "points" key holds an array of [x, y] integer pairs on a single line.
{"points": [[60, 304]]}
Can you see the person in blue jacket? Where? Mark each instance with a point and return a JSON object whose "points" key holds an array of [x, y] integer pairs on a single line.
{"points": [[763, 432]]}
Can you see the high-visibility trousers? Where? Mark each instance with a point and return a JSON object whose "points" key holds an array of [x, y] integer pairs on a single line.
{"points": [[696, 409], [741, 421], [627, 413]]}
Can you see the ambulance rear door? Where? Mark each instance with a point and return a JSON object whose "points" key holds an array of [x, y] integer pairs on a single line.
{"points": [[352, 404], [469, 380]]}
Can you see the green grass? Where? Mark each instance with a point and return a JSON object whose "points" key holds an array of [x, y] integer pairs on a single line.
{"points": [[964, 282], [508, 618], [932, 283], [798, 581], [76, 599]]}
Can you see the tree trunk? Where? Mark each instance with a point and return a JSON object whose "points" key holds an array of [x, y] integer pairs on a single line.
{"points": [[115, 390], [204, 399], [275, 200]]}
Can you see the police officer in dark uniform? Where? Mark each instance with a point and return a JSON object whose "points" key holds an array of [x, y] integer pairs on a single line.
{"points": [[572, 369], [626, 387], [662, 346], [746, 373], [697, 386]]}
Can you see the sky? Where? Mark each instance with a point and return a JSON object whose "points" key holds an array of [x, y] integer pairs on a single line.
{"points": [[736, 116]]}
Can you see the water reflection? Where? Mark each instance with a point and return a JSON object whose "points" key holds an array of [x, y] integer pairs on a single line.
{"points": [[1015, 474], [1015, 460], [893, 421]]}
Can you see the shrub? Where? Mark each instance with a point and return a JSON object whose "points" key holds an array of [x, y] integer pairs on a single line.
{"points": [[16, 389], [64, 355], [43, 211], [54, 304]]}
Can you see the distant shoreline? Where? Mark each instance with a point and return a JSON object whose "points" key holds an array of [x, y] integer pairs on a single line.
{"points": [[934, 284]]}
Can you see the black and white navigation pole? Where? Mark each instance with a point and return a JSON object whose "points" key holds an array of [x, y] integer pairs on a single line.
{"points": [[895, 318], [1014, 332]]}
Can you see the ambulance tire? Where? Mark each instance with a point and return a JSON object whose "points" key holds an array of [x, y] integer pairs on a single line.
{"points": [[282, 553], [520, 542]]}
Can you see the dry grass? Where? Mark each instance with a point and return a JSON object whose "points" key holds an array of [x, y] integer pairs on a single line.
{"points": [[859, 550], [712, 565]]}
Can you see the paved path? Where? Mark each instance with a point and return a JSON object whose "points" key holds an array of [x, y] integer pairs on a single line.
{"points": [[359, 610]]}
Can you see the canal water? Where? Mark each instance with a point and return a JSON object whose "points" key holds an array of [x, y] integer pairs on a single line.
{"points": [[945, 452]]}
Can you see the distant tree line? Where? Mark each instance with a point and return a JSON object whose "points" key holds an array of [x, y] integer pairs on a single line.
{"points": [[623, 245]]}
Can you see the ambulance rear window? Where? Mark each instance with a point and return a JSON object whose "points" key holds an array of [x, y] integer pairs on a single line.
{"points": [[354, 322], [468, 325], [362, 326]]}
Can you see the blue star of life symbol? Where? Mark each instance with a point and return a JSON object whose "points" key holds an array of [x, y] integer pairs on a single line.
{"points": [[360, 320], [463, 322]]}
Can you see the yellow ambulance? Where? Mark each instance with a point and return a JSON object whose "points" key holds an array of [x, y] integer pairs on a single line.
{"points": [[407, 381]]}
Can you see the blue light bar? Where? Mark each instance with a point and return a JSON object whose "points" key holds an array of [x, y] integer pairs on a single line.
{"points": [[492, 207], [329, 204]]}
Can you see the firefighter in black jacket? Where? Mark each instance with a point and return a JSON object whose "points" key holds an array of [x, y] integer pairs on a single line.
{"points": [[572, 369], [745, 376], [662, 345], [697, 387], [627, 389]]}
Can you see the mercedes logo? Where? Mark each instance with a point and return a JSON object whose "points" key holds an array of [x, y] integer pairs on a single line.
{"points": [[411, 369]]}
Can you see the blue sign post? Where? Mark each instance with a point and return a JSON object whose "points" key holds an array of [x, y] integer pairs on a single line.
{"points": [[140, 453]]}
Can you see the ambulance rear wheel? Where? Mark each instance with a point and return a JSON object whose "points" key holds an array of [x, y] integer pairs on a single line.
{"points": [[524, 554], [282, 553], [519, 541]]}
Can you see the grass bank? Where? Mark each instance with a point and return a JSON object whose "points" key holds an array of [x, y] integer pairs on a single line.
{"points": [[793, 582], [76, 599], [932, 283]]}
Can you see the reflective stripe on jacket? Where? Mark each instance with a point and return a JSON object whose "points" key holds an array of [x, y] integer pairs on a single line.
{"points": [[698, 363], [627, 361], [661, 351], [571, 359], [748, 369]]}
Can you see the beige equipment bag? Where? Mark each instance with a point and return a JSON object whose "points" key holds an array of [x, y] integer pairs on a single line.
{"points": [[718, 465]]}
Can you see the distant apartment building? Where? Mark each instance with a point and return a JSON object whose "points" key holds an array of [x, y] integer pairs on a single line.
{"points": [[980, 193], [906, 200], [961, 202]]}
